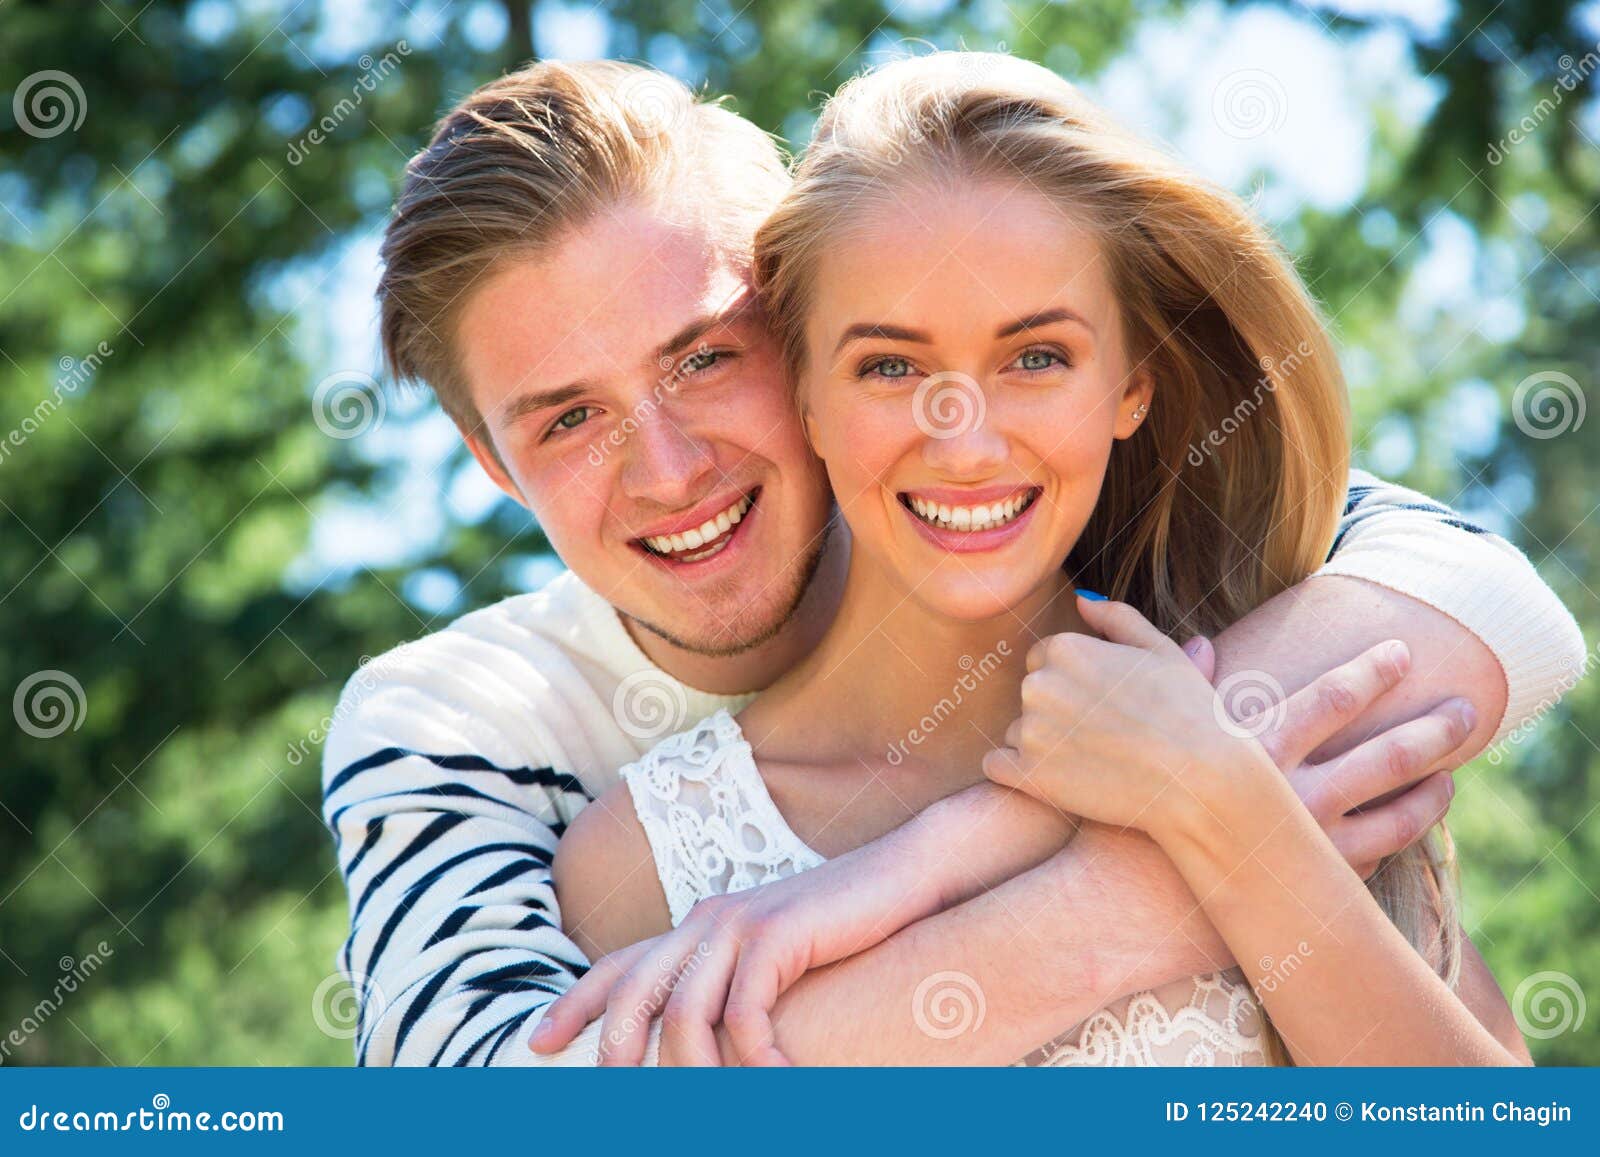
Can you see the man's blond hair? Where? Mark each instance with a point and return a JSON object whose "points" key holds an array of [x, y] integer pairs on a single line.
{"points": [[528, 157]]}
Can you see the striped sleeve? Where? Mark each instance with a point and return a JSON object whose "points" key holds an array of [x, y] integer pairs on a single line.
{"points": [[445, 833], [1423, 549]]}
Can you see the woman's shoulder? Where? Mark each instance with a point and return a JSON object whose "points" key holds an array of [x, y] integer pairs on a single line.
{"points": [[604, 877]]}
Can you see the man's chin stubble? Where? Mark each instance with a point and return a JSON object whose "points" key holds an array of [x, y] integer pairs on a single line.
{"points": [[716, 648]]}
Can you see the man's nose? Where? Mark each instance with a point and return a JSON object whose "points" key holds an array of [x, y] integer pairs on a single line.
{"points": [[665, 464]]}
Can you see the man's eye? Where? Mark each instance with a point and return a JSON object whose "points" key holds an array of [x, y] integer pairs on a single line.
{"points": [[573, 418], [700, 360]]}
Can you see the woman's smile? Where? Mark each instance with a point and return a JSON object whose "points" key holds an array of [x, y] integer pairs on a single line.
{"points": [[970, 521]]}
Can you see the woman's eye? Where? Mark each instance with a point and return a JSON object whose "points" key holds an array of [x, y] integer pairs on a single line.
{"points": [[890, 367], [573, 418], [1039, 360]]}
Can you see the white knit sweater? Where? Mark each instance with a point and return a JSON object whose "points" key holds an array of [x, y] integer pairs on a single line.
{"points": [[456, 761]]}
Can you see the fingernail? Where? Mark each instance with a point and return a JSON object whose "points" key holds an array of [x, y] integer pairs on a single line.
{"points": [[1449, 785], [1192, 647], [1092, 596], [1467, 713], [542, 1032]]}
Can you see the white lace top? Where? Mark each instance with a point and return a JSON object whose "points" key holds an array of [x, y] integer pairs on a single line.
{"points": [[714, 829]]}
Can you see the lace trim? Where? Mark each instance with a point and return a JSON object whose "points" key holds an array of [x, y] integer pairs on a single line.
{"points": [[712, 826], [1220, 1024]]}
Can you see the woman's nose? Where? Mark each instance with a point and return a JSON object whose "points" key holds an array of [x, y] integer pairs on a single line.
{"points": [[961, 438]]}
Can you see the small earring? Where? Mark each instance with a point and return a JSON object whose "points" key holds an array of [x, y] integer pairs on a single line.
{"points": [[1144, 408]]}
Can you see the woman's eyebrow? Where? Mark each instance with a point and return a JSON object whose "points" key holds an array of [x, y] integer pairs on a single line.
{"points": [[881, 330], [1038, 320]]}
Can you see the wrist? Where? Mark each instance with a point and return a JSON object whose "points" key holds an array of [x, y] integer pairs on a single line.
{"points": [[1225, 819]]}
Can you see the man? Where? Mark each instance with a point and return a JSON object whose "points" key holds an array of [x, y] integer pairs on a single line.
{"points": [[568, 269]]}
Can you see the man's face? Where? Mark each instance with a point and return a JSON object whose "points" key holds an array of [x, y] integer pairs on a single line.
{"points": [[639, 407]]}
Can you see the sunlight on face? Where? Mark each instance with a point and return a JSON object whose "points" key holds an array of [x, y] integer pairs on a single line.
{"points": [[636, 403], [966, 382]]}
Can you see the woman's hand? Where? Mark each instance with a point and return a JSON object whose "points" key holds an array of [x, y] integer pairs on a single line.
{"points": [[734, 955], [1127, 731]]}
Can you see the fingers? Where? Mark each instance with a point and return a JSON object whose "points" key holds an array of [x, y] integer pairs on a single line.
{"points": [[584, 1001], [1203, 655], [1320, 710], [1392, 760], [748, 1016], [1367, 837], [1120, 623], [1003, 765], [688, 1033], [635, 1001]]}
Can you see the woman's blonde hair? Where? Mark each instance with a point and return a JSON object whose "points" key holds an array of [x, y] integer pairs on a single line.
{"points": [[1232, 489]]}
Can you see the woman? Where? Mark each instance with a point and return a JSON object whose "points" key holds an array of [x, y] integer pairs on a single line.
{"points": [[1014, 331]]}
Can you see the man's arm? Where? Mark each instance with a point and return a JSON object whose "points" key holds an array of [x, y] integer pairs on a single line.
{"points": [[445, 831], [1096, 922]]}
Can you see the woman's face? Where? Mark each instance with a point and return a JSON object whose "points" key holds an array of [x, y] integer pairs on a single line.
{"points": [[966, 381]]}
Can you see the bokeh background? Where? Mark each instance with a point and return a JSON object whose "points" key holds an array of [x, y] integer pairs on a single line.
{"points": [[212, 507]]}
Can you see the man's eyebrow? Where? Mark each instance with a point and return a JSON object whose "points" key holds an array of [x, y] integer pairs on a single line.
{"points": [[1038, 320], [881, 330], [536, 400], [743, 305]]}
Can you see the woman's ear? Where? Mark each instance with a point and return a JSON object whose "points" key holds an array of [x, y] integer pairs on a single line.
{"points": [[1134, 406]]}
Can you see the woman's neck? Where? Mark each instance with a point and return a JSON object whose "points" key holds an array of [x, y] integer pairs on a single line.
{"points": [[892, 682]]}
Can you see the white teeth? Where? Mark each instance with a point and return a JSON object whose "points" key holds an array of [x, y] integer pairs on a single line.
{"points": [[706, 539], [970, 517]]}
